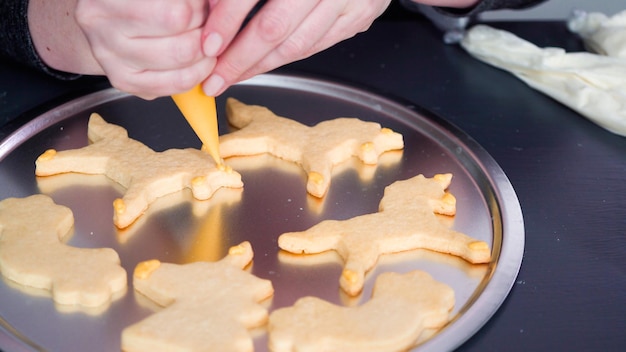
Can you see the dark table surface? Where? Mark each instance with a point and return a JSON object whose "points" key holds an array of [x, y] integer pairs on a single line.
{"points": [[569, 174]]}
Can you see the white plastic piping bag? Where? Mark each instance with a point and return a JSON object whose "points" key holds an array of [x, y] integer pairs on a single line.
{"points": [[601, 34], [593, 85]]}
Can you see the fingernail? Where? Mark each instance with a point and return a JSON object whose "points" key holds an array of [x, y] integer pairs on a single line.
{"points": [[212, 44], [213, 85]]}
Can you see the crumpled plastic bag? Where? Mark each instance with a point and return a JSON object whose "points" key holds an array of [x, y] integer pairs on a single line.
{"points": [[591, 84], [601, 34]]}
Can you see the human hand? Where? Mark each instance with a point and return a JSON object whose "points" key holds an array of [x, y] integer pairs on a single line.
{"points": [[281, 32], [149, 48]]}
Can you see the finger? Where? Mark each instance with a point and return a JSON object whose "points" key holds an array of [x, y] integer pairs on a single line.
{"points": [[303, 42], [320, 32], [142, 18], [224, 21], [157, 54], [268, 29], [151, 84], [357, 18]]}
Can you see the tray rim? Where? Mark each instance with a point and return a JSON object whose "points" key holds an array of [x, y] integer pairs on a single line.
{"points": [[479, 309]]}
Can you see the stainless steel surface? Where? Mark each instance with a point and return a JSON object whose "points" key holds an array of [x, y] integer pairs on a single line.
{"points": [[273, 201]]}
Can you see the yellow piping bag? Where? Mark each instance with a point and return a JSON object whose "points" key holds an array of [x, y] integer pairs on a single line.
{"points": [[200, 112]]}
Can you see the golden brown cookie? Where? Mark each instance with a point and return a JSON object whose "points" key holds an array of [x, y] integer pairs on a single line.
{"points": [[32, 253], [406, 220], [317, 149], [144, 173], [401, 307], [209, 306]]}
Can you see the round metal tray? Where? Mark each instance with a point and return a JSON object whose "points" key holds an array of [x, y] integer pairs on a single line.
{"points": [[178, 229]]}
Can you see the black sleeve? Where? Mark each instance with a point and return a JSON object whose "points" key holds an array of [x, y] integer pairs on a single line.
{"points": [[16, 43]]}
